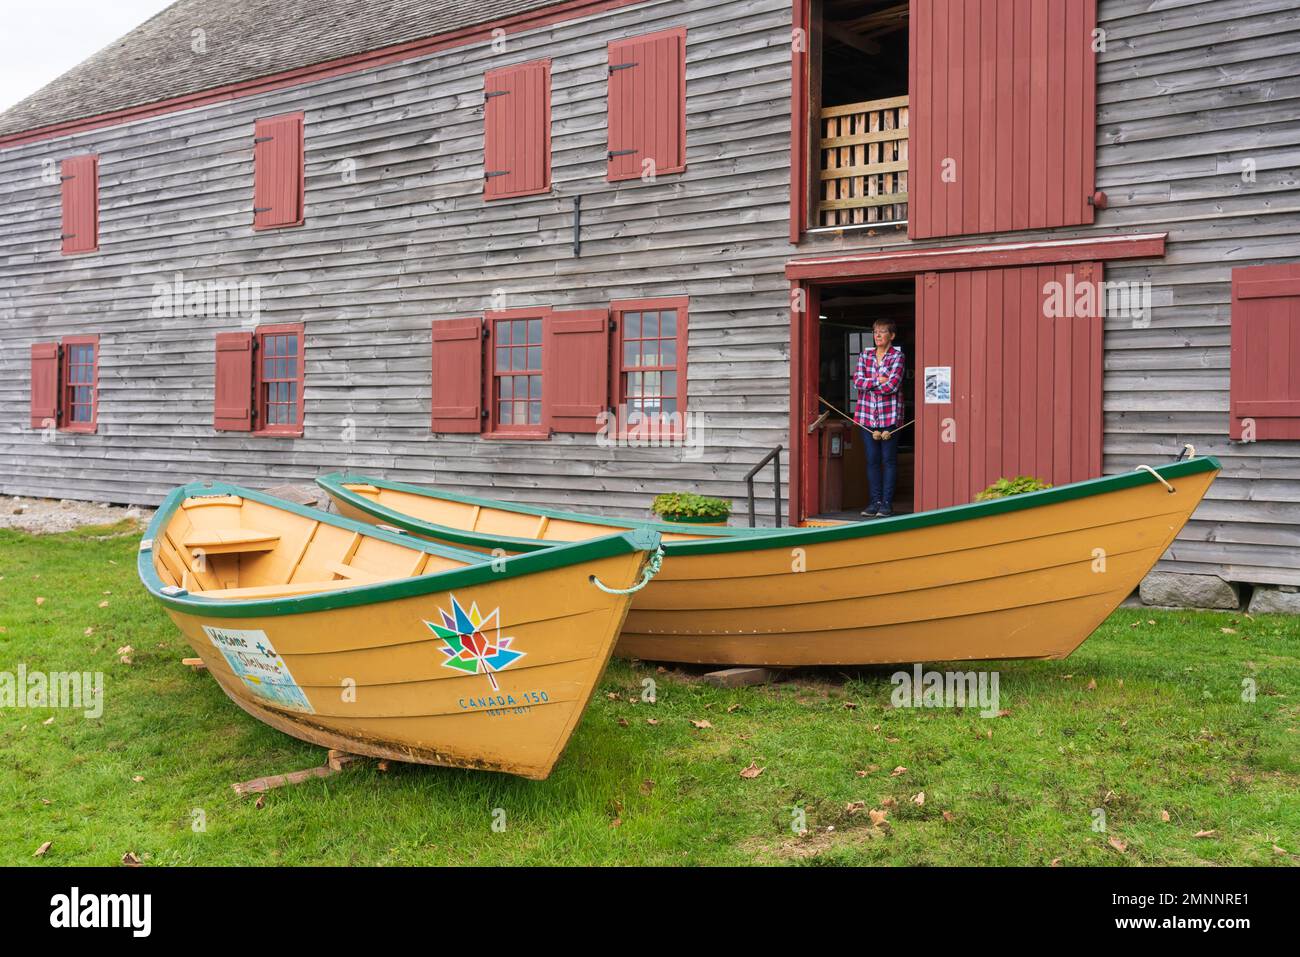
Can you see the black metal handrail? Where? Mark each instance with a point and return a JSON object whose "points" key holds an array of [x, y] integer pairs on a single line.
{"points": [[775, 458]]}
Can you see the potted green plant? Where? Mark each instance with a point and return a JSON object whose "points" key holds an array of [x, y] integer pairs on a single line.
{"points": [[691, 509], [1016, 486]]}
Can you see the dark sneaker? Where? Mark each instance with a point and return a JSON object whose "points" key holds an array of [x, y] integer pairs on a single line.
{"points": [[885, 511], [870, 511]]}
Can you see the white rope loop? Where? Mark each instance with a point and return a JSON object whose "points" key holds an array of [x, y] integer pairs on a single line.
{"points": [[1159, 478], [651, 570]]}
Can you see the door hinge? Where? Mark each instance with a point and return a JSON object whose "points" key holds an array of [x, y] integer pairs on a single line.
{"points": [[67, 235], [621, 66], [613, 153], [503, 172], [262, 139], [64, 179], [491, 93], [263, 209]]}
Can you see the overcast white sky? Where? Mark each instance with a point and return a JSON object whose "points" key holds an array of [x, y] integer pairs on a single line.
{"points": [[41, 39]]}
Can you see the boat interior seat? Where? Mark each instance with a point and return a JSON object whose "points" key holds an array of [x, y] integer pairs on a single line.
{"points": [[343, 570], [223, 541]]}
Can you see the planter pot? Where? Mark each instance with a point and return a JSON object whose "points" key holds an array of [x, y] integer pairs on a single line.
{"points": [[693, 519]]}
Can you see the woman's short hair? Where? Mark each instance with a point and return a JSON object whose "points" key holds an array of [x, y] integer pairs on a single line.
{"points": [[886, 324]]}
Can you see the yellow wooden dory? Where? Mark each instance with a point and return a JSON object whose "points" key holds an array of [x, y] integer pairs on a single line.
{"points": [[379, 643], [1028, 576]]}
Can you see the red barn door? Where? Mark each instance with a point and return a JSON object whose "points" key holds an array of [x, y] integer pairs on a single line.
{"points": [[1023, 379]]}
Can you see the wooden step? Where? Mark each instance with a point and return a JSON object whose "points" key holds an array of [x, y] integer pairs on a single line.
{"points": [[223, 541]]}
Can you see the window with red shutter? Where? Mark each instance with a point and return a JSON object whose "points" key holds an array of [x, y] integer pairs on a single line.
{"points": [[517, 130], [650, 356], [1265, 386], [1003, 115], [515, 390], [45, 385], [458, 375], [80, 177], [79, 382], [647, 105], [233, 401], [279, 365], [278, 172], [576, 360]]}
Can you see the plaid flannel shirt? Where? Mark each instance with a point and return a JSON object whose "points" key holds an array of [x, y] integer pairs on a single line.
{"points": [[879, 406]]}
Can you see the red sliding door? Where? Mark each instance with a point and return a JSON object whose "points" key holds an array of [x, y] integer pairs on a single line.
{"points": [[1020, 353]]}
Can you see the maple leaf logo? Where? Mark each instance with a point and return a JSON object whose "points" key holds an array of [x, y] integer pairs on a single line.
{"points": [[474, 641]]}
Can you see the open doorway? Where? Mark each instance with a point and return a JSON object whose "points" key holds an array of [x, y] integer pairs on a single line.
{"points": [[845, 319], [858, 99]]}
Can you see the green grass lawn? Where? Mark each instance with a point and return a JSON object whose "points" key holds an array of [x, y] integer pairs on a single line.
{"points": [[1146, 720]]}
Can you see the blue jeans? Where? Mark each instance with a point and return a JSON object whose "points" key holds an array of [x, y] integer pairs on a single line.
{"points": [[882, 467]]}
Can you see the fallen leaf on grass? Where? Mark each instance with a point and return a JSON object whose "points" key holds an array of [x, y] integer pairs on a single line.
{"points": [[88, 632], [1056, 862], [612, 696], [40, 851], [752, 771], [129, 859], [45, 800], [49, 720], [853, 807], [382, 766], [1278, 850], [850, 705], [260, 802], [40, 601], [617, 822], [138, 779], [647, 786], [1004, 713], [891, 740], [1119, 845], [622, 722], [701, 724], [948, 816], [888, 802], [1206, 834], [877, 817], [1092, 685], [1164, 816], [732, 708], [919, 799], [871, 769], [1228, 631], [897, 771], [103, 604], [651, 720]]}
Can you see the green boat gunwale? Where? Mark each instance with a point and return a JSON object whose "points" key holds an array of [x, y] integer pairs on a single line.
{"points": [[723, 540], [479, 568]]}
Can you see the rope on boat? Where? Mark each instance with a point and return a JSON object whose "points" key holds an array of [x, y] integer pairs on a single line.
{"points": [[1159, 478], [651, 570]]}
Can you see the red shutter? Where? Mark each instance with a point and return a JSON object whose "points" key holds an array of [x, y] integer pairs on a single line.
{"points": [[517, 130], [45, 384], [278, 172], [458, 375], [1025, 389], [233, 402], [647, 104], [1004, 96], [80, 204], [1266, 351], [576, 361]]}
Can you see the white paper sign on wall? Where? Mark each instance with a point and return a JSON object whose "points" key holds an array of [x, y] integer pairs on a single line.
{"points": [[938, 385]]}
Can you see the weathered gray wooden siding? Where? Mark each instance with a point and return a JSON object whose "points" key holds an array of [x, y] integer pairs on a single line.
{"points": [[1187, 91], [408, 242]]}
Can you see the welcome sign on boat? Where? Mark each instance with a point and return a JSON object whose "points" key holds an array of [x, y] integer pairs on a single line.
{"points": [[381, 644]]}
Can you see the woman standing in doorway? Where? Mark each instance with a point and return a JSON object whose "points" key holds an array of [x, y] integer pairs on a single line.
{"points": [[879, 379]]}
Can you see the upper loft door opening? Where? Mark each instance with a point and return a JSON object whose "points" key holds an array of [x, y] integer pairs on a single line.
{"points": [[858, 114]]}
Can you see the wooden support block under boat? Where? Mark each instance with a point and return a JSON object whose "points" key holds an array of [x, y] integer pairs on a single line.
{"points": [[422, 653]]}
